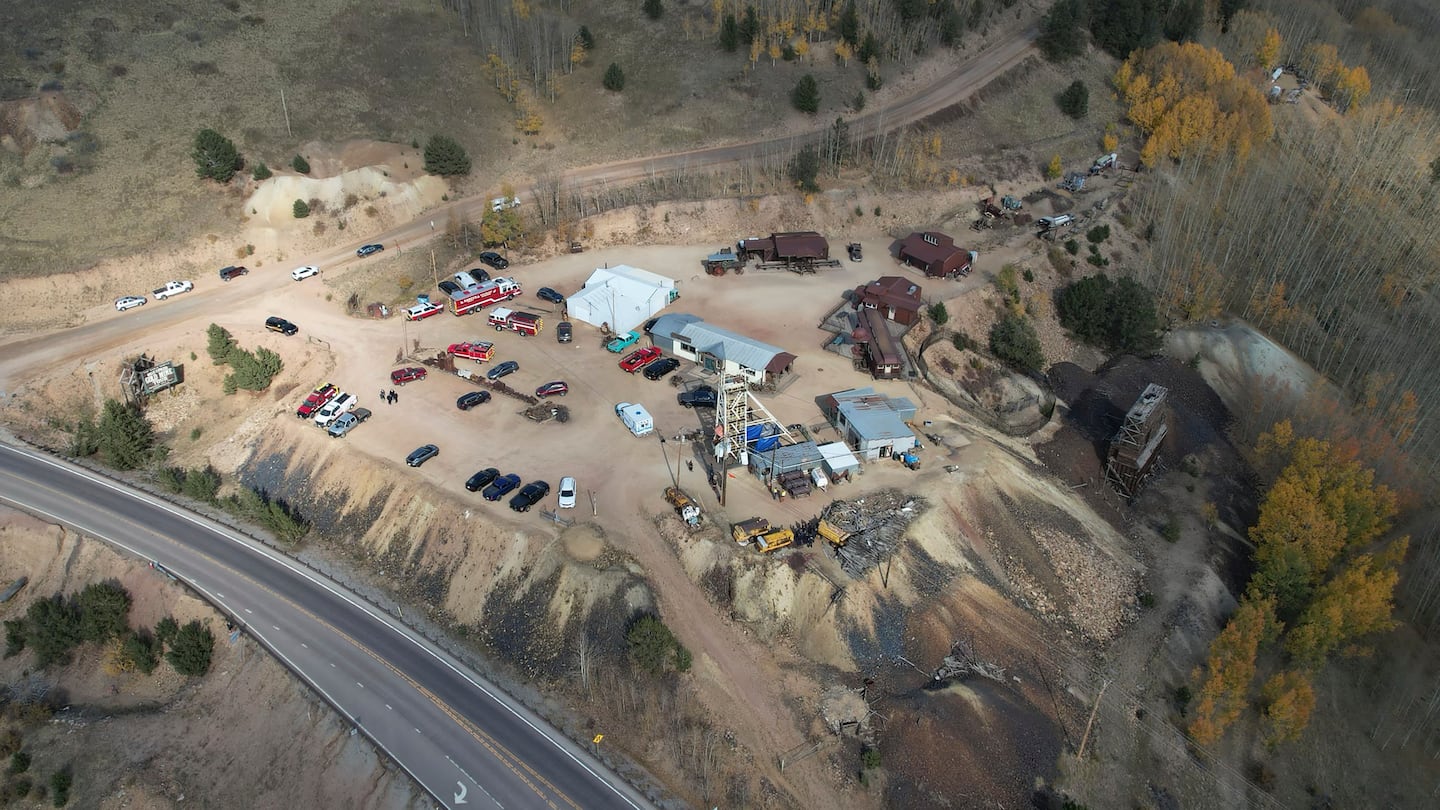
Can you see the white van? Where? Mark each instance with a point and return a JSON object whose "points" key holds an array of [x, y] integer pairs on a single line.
{"points": [[1057, 221], [636, 418], [466, 281]]}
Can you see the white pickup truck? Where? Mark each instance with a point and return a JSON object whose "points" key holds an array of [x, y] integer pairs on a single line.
{"points": [[173, 288], [332, 409]]}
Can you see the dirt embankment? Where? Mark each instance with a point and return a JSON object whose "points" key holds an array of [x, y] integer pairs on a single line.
{"points": [[164, 741]]}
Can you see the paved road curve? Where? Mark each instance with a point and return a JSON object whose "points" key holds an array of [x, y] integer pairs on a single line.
{"points": [[462, 739]]}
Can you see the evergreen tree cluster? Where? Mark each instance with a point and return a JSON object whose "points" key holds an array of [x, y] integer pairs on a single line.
{"points": [[251, 371]]}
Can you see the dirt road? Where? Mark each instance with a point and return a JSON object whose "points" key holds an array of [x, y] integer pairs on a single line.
{"points": [[28, 351]]}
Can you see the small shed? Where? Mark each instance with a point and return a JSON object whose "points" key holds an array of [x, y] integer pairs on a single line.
{"points": [[715, 349], [839, 461], [936, 254], [895, 297]]}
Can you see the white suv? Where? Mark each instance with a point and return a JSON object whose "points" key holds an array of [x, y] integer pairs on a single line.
{"points": [[334, 408], [305, 272]]}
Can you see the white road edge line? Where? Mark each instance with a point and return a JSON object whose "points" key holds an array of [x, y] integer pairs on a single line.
{"points": [[385, 619], [268, 646]]}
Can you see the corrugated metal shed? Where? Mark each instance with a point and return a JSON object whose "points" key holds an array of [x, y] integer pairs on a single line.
{"points": [[669, 326], [803, 456], [875, 416]]}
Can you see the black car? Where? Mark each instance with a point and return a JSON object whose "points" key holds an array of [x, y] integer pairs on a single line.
{"points": [[449, 287], [564, 332], [482, 479], [422, 454], [507, 367], [501, 486], [479, 275], [284, 327], [702, 397], [366, 250], [660, 368], [495, 260], [470, 400], [547, 294], [529, 496], [227, 273]]}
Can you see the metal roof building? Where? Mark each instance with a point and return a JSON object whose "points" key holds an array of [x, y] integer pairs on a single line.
{"points": [[937, 254], [804, 456], [717, 349], [873, 423], [622, 297]]}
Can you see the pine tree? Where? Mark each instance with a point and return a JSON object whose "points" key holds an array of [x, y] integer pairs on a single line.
{"points": [[806, 95], [729, 34], [446, 157], [300, 165], [192, 649], [1061, 35], [614, 80], [215, 156], [300, 209], [125, 437], [653, 9], [1074, 101], [261, 172]]}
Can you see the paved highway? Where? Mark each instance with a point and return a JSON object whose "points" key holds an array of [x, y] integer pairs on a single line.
{"points": [[462, 739]]}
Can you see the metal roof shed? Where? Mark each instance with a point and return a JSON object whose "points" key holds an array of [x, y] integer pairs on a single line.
{"points": [[803, 456], [838, 458]]}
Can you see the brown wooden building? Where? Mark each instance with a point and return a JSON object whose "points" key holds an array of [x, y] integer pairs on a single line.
{"points": [[880, 350], [894, 297], [786, 247], [936, 254]]}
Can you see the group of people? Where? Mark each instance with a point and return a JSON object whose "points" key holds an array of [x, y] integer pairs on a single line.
{"points": [[388, 396]]}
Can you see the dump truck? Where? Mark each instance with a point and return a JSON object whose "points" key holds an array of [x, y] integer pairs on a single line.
{"points": [[747, 530], [835, 535], [684, 504], [770, 541]]}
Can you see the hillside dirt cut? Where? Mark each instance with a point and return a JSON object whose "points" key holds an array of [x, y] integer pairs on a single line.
{"points": [[245, 735]]}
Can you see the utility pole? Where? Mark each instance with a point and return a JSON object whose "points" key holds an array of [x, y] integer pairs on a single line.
{"points": [[286, 109], [433, 272], [666, 455], [1085, 738]]}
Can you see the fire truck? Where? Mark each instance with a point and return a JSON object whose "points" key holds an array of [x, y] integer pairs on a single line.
{"points": [[525, 323], [494, 291], [479, 351]]}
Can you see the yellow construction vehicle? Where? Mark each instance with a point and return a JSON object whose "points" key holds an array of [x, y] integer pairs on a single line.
{"points": [[684, 504], [747, 530], [837, 536], [770, 541]]}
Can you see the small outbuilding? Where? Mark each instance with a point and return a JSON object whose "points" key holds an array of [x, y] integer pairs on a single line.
{"points": [[622, 297], [936, 254], [894, 297], [687, 336], [840, 463], [804, 457], [873, 423]]}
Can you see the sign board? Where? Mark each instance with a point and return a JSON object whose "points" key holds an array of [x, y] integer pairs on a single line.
{"points": [[158, 378]]}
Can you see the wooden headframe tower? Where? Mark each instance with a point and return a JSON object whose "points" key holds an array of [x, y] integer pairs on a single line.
{"points": [[1136, 444]]}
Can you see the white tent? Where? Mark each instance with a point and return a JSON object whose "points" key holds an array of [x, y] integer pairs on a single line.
{"points": [[622, 296]]}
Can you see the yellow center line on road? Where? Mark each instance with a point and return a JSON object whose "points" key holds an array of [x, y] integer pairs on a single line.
{"points": [[496, 748]]}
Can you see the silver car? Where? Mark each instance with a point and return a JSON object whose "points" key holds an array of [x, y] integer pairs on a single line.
{"points": [[129, 302]]}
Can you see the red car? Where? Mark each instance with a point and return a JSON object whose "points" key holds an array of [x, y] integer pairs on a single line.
{"points": [[552, 389], [639, 358], [316, 400], [400, 376]]}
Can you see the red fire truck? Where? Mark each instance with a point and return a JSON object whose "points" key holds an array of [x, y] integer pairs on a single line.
{"points": [[525, 323], [494, 291], [479, 351]]}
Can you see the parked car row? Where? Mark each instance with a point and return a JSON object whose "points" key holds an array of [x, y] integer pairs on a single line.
{"points": [[648, 360], [493, 486]]}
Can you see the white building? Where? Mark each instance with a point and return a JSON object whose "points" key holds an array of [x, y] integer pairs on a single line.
{"points": [[622, 297]]}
